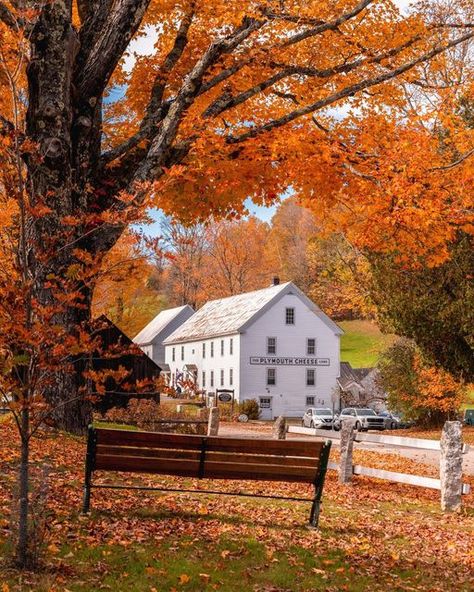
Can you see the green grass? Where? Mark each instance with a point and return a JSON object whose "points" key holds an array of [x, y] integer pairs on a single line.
{"points": [[114, 426], [362, 343], [235, 561]]}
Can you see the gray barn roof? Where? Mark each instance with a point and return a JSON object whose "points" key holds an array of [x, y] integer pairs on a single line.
{"points": [[151, 331], [234, 313]]}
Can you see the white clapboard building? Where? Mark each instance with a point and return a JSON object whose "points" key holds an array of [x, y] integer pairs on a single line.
{"points": [[273, 345], [151, 337]]}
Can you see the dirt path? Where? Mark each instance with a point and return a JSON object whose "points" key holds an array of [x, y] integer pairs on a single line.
{"points": [[428, 457]]}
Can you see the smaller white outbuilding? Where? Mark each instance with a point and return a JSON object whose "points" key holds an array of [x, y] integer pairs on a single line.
{"points": [[151, 337], [273, 345]]}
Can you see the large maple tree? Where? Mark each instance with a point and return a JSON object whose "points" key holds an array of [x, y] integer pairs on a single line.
{"points": [[224, 107]]}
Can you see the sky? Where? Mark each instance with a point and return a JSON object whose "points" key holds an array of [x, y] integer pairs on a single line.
{"points": [[145, 46]]}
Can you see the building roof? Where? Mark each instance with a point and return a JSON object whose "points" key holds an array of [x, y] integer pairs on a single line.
{"points": [[350, 376], [151, 331], [233, 314]]}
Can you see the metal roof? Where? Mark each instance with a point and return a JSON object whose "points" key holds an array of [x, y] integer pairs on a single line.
{"points": [[149, 333], [234, 313]]}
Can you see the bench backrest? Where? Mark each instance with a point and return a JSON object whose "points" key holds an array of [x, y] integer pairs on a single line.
{"points": [[209, 457]]}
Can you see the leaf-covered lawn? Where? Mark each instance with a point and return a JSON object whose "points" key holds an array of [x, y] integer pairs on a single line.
{"points": [[362, 343], [373, 536]]}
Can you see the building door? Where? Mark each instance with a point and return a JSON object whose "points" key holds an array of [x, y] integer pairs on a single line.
{"points": [[265, 404]]}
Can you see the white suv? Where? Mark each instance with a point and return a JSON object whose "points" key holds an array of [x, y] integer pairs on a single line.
{"points": [[319, 418], [363, 419]]}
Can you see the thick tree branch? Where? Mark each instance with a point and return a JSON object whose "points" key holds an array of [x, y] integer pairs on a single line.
{"points": [[225, 102], [120, 26], [328, 26], [188, 92], [347, 91], [156, 110]]}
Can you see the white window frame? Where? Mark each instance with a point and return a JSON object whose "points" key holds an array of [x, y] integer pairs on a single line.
{"points": [[222, 347], [310, 372], [212, 349], [310, 401], [274, 346], [271, 381], [222, 377], [182, 353], [212, 379], [173, 354], [203, 350], [231, 376], [203, 379], [290, 314], [231, 346], [312, 346]]}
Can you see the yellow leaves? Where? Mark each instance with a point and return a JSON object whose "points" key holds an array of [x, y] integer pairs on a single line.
{"points": [[183, 579], [53, 549]]}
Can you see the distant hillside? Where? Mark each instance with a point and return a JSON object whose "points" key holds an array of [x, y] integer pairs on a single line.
{"points": [[362, 343]]}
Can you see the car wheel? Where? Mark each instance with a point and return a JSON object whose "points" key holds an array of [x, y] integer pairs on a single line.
{"points": [[336, 427], [357, 426]]}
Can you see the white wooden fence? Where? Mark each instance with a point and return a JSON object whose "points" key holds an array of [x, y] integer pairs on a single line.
{"points": [[393, 441]]}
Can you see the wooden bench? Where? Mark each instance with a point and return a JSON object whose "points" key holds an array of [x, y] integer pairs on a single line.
{"points": [[207, 457]]}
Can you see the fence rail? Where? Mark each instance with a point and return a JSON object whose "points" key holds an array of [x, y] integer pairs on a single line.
{"points": [[398, 441], [346, 469]]}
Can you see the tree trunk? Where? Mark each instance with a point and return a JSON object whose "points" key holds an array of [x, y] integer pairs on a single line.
{"points": [[23, 482]]}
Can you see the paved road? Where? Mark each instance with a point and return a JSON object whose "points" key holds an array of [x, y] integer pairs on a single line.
{"points": [[427, 457]]}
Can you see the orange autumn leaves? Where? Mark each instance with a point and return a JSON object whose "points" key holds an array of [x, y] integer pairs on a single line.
{"points": [[367, 165]]}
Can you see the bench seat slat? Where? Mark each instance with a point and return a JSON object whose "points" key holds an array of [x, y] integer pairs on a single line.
{"points": [[190, 467], [103, 450], [216, 443]]}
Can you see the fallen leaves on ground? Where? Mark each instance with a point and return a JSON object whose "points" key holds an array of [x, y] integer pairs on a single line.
{"points": [[371, 526]]}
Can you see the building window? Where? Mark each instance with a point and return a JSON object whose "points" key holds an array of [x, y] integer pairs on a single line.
{"points": [[309, 401], [203, 379], [271, 345], [182, 352], [231, 346], [173, 354], [212, 378], [222, 347], [290, 316], [311, 346], [212, 349], [271, 376], [231, 376], [203, 350], [222, 377], [310, 377]]}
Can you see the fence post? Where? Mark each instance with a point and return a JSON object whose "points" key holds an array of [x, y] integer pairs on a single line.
{"points": [[279, 428], [213, 424], [450, 466], [346, 447]]}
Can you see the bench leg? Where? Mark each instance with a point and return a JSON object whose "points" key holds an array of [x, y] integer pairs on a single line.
{"points": [[90, 462], [314, 514], [86, 504]]}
